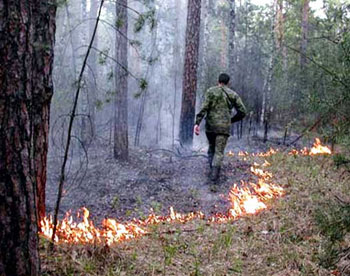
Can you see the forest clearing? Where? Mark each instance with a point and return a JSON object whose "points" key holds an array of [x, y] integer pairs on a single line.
{"points": [[177, 137]]}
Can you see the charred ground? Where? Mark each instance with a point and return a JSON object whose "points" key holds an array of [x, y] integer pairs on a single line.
{"points": [[153, 178]]}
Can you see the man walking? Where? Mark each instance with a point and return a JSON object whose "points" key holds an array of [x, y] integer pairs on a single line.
{"points": [[218, 104]]}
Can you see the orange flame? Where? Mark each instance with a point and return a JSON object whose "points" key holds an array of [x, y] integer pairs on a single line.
{"points": [[247, 198], [316, 149]]}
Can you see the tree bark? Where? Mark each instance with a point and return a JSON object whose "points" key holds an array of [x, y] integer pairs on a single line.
{"points": [[26, 56], [121, 144], [190, 72]]}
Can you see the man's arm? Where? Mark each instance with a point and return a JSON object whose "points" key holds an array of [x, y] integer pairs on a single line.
{"points": [[240, 108], [205, 107], [201, 113]]}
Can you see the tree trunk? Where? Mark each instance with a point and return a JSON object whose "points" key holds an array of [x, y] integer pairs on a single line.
{"points": [[92, 74], [203, 64], [149, 74], [121, 144], [86, 129], [26, 56], [266, 108], [223, 52], [279, 26], [231, 43], [190, 72], [176, 68]]}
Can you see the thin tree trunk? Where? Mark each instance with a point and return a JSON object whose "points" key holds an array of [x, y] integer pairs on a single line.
{"points": [[266, 103], [26, 56], [304, 33], [92, 73], [203, 62], [190, 72], [223, 59], [71, 41], [121, 144], [86, 128], [231, 43], [177, 68], [149, 72]]}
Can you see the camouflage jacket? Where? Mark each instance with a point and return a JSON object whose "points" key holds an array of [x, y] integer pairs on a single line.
{"points": [[217, 108]]}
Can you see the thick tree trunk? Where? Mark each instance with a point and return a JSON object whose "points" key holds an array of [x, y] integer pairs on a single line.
{"points": [[190, 72], [45, 15], [26, 55], [121, 144]]}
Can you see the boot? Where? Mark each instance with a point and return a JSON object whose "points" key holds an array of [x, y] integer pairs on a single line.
{"points": [[215, 174], [210, 161]]}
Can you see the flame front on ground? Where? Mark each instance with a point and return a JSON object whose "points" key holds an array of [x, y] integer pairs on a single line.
{"points": [[246, 198], [316, 149]]}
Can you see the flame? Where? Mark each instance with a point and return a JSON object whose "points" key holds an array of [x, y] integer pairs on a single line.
{"points": [[316, 149], [245, 198], [319, 149], [69, 231]]}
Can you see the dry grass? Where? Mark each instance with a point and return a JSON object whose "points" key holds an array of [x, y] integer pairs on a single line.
{"points": [[283, 240]]}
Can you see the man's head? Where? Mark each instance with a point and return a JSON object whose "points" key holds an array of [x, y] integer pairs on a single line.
{"points": [[224, 79]]}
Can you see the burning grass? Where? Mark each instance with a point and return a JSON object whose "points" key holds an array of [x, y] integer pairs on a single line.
{"points": [[281, 240]]}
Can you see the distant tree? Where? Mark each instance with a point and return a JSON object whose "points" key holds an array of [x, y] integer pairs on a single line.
{"points": [[177, 67], [231, 43], [88, 124], [266, 107], [189, 86], [304, 32], [203, 62], [121, 144], [26, 56]]}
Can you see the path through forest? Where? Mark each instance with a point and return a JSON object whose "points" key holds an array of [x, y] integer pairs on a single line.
{"points": [[156, 179]]}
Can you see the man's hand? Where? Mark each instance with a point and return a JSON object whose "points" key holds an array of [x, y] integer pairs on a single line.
{"points": [[196, 129]]}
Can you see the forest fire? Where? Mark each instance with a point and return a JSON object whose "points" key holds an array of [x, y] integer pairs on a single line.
{"points": [[69, 231], [245, 198], [316, 149]]}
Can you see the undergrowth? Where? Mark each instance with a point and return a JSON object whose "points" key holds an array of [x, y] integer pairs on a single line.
{"points": [[301, 233]]}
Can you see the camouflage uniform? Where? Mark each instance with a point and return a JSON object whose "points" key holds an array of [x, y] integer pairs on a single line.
{"points": [[217, 107]]}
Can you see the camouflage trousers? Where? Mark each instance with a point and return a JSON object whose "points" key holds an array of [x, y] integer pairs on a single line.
{"points": [[217, 144]]}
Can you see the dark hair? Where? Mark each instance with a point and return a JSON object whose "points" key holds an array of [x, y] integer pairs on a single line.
{"points": [[224, 78]]}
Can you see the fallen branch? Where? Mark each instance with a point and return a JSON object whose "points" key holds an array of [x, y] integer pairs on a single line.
{"points": [[306, 130], [178, 154]]}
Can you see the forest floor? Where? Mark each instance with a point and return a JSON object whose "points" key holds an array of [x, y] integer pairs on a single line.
{"points": [[286, 239], [153, 178]]}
